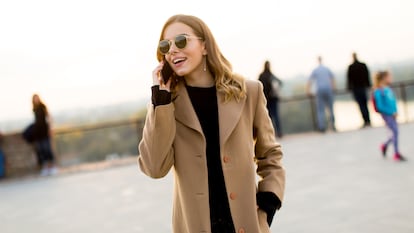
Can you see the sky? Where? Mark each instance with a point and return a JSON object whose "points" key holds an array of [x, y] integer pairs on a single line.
{"points": [[89, 53]]}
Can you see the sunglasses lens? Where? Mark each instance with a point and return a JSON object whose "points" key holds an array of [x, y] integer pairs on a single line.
{"points": [[164, 46], [180, 41]]}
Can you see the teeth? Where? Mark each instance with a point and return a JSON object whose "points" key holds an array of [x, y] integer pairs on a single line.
{"points": [[178, 60]]}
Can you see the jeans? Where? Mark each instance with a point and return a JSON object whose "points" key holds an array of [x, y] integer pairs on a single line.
{"points": [[44, 151], [324, 99], [273, 109], [392, 124], [360, 96]]}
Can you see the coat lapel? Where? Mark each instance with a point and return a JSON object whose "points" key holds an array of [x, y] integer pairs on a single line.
{"points": [[184, 111], [229, 113], [229, 116]]}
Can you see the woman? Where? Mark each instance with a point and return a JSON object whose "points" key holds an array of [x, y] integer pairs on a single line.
{"points": [[271, 85], [41, 137], [385, 103], [212, 126]]}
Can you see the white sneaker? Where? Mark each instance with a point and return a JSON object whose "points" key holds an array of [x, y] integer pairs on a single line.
{"points": [[44, 172], [53, 171]]}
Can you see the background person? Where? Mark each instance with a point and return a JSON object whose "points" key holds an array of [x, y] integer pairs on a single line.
{"points": [[386, 105], [271, 85], [359, 82], [42, 137], [211, 126], [2, 159], [324, 81]]}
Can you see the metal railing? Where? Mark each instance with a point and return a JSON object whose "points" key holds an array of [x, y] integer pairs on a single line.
{"points": [[298, 114], [404, 91], [97, 142]]}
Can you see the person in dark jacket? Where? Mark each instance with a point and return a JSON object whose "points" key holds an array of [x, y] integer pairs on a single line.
{"points": [[359, 84], [271, 85], [42, 137]]}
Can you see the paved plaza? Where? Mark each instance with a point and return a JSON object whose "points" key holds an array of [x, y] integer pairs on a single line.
{"points": [[336, 182]]}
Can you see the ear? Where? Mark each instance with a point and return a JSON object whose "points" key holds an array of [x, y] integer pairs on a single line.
{"points": [[204, 49]]}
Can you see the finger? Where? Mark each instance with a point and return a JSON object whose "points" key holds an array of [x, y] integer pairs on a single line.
{"points": [[158, 68], [156, 76], [166, 86]]}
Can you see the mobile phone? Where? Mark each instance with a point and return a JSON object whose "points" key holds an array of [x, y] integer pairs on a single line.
{"points": [[166, 71]]}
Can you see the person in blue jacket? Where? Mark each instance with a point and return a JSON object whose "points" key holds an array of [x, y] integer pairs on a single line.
{"points": [[2, 160], [386, 105]]}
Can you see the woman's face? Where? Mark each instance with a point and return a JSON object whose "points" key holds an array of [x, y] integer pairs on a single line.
{"points": [[189, 59], [36, 99]]}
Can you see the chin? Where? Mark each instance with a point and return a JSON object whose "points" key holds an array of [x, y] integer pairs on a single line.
{"points": [[181, 73]]}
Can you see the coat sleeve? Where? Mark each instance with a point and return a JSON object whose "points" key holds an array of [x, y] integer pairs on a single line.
{"points": [[156, 152], [267, 151]]}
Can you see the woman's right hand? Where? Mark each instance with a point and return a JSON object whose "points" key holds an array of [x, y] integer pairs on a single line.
{"points": [[157, 79]]}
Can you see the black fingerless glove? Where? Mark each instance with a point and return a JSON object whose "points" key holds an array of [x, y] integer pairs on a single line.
{"points": [[160, 97], [268, 202]]}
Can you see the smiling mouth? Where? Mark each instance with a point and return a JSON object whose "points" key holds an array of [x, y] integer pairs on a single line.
{"points": [[178, 60]]}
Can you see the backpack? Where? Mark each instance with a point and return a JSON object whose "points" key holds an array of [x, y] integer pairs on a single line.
{"points": [[374, 103], [274, 86], [28, 133]]}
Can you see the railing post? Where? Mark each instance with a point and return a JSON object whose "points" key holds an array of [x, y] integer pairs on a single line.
{"points": [[404, 100], [55, 148]]}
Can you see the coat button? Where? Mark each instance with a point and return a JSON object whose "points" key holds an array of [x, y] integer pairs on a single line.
{"points": [[226, 159], [241, 230], [233, 196]]}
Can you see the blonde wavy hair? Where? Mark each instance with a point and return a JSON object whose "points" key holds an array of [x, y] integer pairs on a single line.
{"points": [[232, 85]]}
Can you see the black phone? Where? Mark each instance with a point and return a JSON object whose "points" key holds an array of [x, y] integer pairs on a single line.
{"points": [[166, 72]]}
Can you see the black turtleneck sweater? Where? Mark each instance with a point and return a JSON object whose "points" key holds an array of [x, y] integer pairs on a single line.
{"points": [[204, 102]]}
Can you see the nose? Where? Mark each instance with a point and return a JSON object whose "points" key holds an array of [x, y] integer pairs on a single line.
{"points": [[173, 48]]}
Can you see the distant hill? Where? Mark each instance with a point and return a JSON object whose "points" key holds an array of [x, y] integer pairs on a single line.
{"points": [[114, 112], [84, 116]]}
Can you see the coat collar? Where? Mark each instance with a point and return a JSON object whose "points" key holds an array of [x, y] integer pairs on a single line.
{"points": [[184, 111], [229, 113]]}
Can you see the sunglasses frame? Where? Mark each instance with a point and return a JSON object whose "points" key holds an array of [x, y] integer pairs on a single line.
{"points": [[186, 36]]}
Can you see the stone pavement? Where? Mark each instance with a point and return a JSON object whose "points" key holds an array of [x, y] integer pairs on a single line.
{"points": [[337, 182]]}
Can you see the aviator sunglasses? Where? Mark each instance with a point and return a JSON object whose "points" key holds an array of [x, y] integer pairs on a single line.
{"points": [[180, 42]]}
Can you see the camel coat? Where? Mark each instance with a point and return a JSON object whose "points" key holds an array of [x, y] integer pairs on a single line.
{"points": [[173, 138]]}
